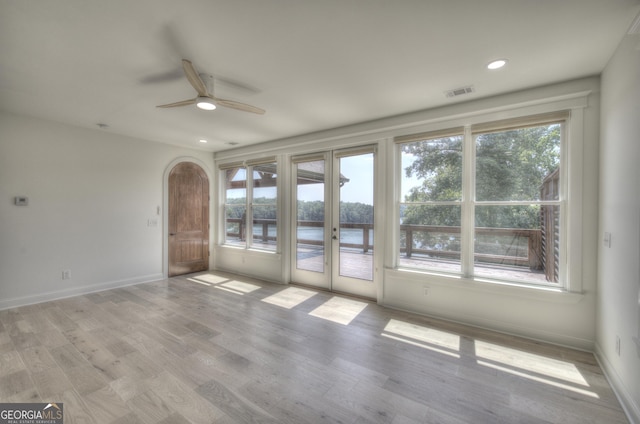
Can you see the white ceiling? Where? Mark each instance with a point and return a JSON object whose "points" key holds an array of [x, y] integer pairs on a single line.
{"points": [[312, 64]]}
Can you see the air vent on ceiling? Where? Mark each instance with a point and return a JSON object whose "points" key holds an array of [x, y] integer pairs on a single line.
{"points": [[460, 91]]}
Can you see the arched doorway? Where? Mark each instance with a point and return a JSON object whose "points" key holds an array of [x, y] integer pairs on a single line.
{"points": [[188, 244]]}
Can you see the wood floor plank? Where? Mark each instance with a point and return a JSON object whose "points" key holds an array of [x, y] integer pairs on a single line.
{"points": [[76, 410], [37, 359], [51, 382], [15, 383], [10, 362], [150, 407], [232, 404], [183, 400], [86, 379], [176, 351], [106, 406]]}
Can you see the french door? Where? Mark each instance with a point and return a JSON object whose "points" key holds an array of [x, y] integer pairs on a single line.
{"points": [[333, 229]]}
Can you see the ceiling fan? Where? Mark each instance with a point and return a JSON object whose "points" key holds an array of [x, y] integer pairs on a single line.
{"points": [[206, 100]]}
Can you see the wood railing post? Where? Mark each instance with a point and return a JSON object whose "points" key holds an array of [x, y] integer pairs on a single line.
{"points": [[365, 238], [535, 250]]}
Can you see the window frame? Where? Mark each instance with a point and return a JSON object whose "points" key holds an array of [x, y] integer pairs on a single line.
{"points": [[248, 167], [570, 201]]}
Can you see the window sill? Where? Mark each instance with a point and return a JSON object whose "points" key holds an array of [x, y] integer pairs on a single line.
{"points": [[486, 286], [240, 249]]}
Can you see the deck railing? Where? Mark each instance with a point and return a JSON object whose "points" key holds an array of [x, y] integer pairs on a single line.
{"points": [[532, 259]]}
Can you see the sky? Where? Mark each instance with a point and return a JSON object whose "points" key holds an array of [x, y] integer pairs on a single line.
{"points": [[359, 188]]}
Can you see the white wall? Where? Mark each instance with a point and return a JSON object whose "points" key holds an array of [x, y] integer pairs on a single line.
{"points": [[619, 265], [91, 194], [562, 318]]}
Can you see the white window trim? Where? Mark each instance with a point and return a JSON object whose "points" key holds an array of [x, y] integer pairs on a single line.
{"points": [[571, 219], [248, 166]]}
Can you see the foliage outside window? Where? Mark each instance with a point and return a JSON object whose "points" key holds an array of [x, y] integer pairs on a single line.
{"points": [[484, 202], [250, 205]]}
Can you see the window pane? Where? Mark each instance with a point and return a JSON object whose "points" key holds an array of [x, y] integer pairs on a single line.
{"points": [[430, 237], [517, 242], [235, 224], [432, 170], [265, 228], [264, 207], [519, 164], [235, 206]]}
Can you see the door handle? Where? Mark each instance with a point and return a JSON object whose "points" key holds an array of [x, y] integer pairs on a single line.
{"points": [[334, 237], [172, 234]]}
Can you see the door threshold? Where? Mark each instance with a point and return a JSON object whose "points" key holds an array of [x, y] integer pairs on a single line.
{"points": [[341, 293]]}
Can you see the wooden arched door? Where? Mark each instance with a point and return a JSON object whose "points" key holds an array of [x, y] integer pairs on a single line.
{"points": [[188, 219]]}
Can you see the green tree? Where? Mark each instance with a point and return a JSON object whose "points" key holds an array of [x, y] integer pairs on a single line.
{"points": [[510, 165]]}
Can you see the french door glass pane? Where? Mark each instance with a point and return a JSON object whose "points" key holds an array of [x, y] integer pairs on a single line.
{"points": [[430, 237], [310, 216], [356, 216], [517, 242]]}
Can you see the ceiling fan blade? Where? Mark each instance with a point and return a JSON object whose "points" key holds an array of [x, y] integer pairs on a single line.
{"points": [[239, 106], [181, 103], [194, 78]]}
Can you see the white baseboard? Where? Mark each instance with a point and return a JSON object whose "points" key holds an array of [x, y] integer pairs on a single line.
{"points": [[75, 291], [629, 404]]}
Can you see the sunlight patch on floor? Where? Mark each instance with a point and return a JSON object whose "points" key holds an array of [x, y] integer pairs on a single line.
{"points": [[339, 310], [209, 278], [289, 297], [238, 287], [534, 367], [194, 280], [424, 337]]}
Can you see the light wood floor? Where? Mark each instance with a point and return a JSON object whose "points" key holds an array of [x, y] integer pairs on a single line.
{"points": [[216, 348]]}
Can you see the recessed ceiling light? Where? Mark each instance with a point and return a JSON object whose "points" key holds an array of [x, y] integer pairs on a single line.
{"points": [[497, 64], [202, 140]]}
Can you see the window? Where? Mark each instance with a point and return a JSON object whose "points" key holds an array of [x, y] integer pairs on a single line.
{"points": [[485, 201], [431, 204], [250, 204]]}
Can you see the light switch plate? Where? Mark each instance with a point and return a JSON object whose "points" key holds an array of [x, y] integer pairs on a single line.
{"points": [[21, 201]]}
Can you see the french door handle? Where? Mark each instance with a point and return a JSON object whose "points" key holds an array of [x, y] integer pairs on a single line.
{"points": [[334, 237]]}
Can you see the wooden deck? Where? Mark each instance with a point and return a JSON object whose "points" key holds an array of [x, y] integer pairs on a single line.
{"points": [[354, 263]]}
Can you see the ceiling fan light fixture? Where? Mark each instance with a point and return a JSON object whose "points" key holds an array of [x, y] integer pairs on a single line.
{"points": [[205, 103]]}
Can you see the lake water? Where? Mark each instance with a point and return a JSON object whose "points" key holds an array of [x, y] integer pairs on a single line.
{"points": [[347, 235]]}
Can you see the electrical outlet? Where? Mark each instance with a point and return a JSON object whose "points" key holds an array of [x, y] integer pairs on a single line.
{"points": [[618, 345], [606, 241], [66, 274], [426, 290]]}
